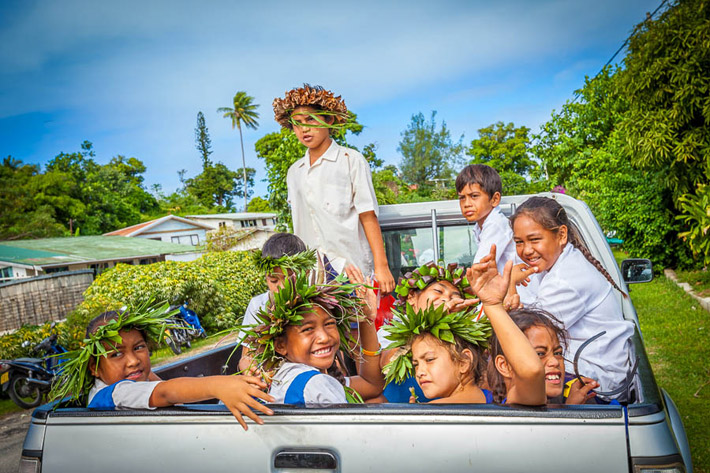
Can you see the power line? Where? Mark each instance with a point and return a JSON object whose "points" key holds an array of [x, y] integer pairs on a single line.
{"points": [[649, 17]]}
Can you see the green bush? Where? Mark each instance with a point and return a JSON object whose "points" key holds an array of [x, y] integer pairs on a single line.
{"points": [[219, 286], [11, 344]]}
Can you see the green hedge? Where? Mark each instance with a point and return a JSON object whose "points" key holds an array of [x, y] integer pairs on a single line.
{"points": [[219, 286]]}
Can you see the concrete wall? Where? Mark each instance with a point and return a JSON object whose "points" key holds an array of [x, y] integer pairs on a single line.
{"points": [[40, 299]]}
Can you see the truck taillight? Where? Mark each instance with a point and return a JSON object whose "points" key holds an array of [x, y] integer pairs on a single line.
{"points": [[30, 465], [667, 464]]}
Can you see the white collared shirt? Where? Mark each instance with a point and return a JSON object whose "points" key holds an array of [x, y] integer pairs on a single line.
{"points": [[326, 200], [575, 292], [496, 230], [124, 394]]}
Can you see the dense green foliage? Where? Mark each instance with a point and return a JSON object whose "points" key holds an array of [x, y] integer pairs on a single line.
{"points": [[11, 343], [582, 150], [217, 186], [636, 145], [428, 153], [667, 126], [508, 150], [219, 286], [203, 142], [258, 204], [73, 195]]}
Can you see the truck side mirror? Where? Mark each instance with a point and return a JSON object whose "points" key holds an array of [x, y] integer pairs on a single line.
{"points": [[636, 270]]}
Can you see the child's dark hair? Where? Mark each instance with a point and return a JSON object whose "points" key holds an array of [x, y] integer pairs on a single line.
{"points": [[551, 215], [106, 317], [485, 176], [455, 350], [281, 244], [524, 319]]}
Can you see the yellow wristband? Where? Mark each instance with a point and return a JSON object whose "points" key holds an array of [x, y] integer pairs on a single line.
{"points": [[371, 353]]}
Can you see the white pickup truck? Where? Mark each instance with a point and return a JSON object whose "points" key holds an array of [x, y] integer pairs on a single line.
{"points": [[645, 436]]}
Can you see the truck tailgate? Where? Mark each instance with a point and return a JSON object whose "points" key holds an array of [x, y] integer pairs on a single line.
{"points": [[348, 439]]}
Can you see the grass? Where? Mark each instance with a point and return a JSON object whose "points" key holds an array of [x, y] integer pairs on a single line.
{"points": [[698, 279], [675, 330], [7, 407]]}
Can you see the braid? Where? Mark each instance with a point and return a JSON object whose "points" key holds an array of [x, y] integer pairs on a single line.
{"points": [[595, 262], [335, 370]]}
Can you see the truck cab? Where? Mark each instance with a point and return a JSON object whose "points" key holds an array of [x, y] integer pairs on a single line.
{"points": [[644, 436]]}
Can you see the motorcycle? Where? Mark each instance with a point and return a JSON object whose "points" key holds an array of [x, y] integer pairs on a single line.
{"points": [[184, 327], [26, 380]]}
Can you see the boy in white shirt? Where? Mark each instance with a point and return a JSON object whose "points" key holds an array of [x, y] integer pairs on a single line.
{"points": [[480, 190], [330, 189], [280, 251]]}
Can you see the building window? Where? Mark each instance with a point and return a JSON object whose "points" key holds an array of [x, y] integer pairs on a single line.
{"points": [[59, 269], [193, 240], [6, 273]]}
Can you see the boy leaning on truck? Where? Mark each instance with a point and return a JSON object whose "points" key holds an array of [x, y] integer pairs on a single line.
{"points": [[112, 370], [330, 189]]}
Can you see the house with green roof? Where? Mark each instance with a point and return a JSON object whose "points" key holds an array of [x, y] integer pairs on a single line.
{"points": [[25, 258]]}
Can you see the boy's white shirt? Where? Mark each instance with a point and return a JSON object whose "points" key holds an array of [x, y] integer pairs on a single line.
{"points": [[322, 389], [496, 230], [326, 201], [575, 292], [256, 303], [127, 394]]}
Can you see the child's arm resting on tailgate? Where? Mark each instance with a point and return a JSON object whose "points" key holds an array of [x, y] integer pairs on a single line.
{"points": [[237, 393]]}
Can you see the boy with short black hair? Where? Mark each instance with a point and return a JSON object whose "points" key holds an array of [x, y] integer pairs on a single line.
{"points": [[480, 190], [330, 189]]}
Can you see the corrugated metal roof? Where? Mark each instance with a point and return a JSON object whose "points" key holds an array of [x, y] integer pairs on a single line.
{"points": [[137, 229], [70, 250]]}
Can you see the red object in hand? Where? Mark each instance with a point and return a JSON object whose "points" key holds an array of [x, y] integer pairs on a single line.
{"points": [[384, 309]]}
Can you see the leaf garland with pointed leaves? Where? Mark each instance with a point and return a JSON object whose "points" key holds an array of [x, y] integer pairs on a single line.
{"points": [[428, 273], [302, 261], [407, 324], [296, 298], [75, 380]]}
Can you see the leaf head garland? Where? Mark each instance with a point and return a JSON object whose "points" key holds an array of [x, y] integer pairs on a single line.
{"points": [[426, 274], [295, 299], [303, 261], [75, 380], [409, 323], [317, 97]]}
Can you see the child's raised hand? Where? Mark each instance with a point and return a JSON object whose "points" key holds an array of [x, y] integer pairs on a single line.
{"points": [[238, 393], [512, 302], [580, 394], [490, 287]]}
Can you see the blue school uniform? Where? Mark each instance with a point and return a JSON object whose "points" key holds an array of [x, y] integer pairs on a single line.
{"points": [[124, 394], [304, 385]]}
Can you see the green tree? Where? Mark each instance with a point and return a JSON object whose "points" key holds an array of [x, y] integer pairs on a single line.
{"points": [[243, 112], [427, 153], [667, 125], [258, 204], [507, 149], [203, 143], [23, 216], [217, 185], [583, 150]]}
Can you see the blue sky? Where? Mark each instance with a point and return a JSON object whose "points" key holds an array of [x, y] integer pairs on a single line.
{"points": [[130, 76]]}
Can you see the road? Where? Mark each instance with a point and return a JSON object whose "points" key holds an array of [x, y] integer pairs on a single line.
{"points": [[13, 428]]}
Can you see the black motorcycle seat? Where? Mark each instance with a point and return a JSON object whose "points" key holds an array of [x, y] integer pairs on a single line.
{"points": [[30, 360]]}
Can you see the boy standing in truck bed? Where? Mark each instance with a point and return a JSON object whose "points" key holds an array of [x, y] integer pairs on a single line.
{"points": [[330, 190]]}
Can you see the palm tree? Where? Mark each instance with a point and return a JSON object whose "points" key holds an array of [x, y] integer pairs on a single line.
{"points": [[244, 112]]}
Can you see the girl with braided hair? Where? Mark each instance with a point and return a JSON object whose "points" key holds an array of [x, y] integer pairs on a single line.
{"points": [[575, 288]]}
